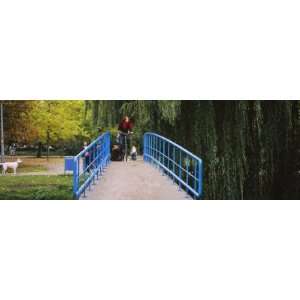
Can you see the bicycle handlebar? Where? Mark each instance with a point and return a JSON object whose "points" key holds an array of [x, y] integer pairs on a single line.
{"points": [[126, 134]]}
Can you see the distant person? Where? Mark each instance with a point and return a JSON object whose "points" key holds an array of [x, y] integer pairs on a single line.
{"points": [[12, 149], [125, 128], [86, 158], [100, 131], [126, 125]]}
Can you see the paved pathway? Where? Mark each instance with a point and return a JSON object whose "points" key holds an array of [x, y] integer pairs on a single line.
{"points": [[132, 181]]}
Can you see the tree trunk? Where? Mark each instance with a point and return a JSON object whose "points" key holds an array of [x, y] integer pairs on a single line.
{"points": [[39, 152], [48, 140]]}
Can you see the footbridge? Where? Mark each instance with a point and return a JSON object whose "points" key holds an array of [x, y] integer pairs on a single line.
{"points": [[165, 171]]}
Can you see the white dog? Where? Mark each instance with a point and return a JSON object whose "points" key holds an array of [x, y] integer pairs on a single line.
{"points": [[10, 165]]}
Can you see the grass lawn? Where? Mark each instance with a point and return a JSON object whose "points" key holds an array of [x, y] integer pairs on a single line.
{"points": [[36, 187]]}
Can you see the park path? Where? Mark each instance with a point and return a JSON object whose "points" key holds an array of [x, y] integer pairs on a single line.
{"points": [[40, 166], [134, 180]]}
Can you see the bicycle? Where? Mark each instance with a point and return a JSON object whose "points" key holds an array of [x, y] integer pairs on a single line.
{"points": [[124, 144]]}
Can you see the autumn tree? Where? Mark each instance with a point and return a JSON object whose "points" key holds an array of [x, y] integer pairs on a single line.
{"points": [[57, 121], [17, 121]]}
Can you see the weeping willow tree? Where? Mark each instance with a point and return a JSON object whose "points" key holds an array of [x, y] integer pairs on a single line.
{"points": [[103, 113], [250, 149]]}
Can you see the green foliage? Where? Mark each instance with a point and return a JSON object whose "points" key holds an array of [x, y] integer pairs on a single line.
{"points": [[169, 110], [250, 148]]}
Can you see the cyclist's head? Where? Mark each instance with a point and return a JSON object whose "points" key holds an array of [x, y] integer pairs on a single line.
{"points": [[126, 119]]}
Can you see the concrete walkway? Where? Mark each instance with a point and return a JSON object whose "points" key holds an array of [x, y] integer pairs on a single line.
{"points": [[134, 180], [37, 166]]}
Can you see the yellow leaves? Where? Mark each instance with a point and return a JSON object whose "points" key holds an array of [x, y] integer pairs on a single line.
{"points": [[61, 119]]}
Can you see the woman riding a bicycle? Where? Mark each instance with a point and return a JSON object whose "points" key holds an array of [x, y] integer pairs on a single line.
{"points": [[125, 129]]}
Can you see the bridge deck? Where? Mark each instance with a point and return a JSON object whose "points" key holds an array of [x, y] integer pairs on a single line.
{"points": [[134, 180]]}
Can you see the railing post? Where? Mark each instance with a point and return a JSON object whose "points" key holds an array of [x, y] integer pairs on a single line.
{"points": [[168, 155], [162, 151], [180, 166], [109, 146], [161, 144], [75, 177], [94, 163], [159, 156], [145, 147], [106, 147], [97, 156], [156, 151], [174, 153], [187, 171], [152, 149], [148, 148], [195, 176], [163, 156], [200, 187]]}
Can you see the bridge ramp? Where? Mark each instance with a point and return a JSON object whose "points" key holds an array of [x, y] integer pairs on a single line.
{"points": [[132, 181]]}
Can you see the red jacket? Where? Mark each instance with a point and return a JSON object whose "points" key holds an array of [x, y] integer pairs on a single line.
{"points": [[125, 126]]}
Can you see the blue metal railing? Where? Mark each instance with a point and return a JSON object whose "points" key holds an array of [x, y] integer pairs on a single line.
{"points": [[185, 168], [90, 163]]}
